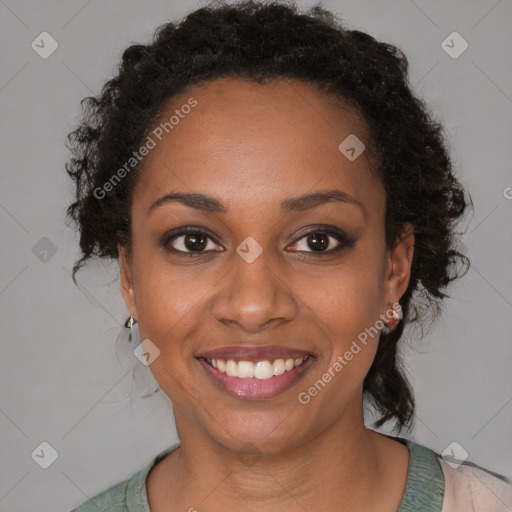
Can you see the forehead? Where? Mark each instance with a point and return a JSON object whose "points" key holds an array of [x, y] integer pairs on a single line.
{"points": [[255, 142]]}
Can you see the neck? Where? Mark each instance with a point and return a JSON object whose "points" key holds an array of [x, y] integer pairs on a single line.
{"points": [[346, 467]]}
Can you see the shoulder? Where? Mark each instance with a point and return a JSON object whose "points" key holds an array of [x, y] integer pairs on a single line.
{"points": [[472, 488], [126, 496], [444, 484], [112, 500]]}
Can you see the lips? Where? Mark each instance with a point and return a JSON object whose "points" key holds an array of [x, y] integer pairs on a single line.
{"points": [[276, 369]]}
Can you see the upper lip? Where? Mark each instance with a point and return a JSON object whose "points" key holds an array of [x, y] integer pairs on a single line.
{"points": [[254, 353]]}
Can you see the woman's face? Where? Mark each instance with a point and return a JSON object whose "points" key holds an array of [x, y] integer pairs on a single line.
{"points": [[310, 275]]}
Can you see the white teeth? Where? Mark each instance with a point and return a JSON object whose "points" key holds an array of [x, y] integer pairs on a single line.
{"points": [[245, 369], [259, 370], [263, 370], [278, 367], [232, 368]]}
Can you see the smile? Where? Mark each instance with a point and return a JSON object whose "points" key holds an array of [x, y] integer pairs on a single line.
{"points": [[255, 379], [259, 370]]}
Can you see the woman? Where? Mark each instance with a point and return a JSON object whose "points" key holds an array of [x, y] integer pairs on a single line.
{"points": [[281, 206]]}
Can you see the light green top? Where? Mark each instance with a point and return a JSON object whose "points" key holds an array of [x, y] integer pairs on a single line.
{"points": [[423, 492]]}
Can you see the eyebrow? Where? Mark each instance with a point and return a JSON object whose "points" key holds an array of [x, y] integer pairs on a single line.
{"points": [[209, 204]]}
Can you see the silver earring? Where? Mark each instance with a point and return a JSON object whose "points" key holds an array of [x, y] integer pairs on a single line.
{"points": [[130, 322]]}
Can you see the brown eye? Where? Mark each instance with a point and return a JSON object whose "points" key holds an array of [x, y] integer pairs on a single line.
{"points": [[195, 242], [188, 242], [318, 241]]}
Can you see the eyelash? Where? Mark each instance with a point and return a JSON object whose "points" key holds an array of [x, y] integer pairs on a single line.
{"points": [[339, 235]]}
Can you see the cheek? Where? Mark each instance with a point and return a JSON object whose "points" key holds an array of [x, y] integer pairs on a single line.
{"points": [[168, 304], [347, 306], [168, 301], [347, 299], [168, 308], [348, 314]]}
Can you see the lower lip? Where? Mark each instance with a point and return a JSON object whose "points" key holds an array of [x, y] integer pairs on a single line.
{"points": [[256, 389]]}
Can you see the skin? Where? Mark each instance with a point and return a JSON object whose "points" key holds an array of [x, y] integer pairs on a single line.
{"points": [[251, 146]]}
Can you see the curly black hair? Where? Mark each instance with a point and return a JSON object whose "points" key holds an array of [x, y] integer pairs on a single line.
{"points": [[266, 40]]}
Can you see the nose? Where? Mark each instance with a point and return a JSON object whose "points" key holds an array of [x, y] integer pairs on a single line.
{"points": [[254, 296]]}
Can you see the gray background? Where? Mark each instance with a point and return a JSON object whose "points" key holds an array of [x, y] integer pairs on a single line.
{"points": [[63, 381]]}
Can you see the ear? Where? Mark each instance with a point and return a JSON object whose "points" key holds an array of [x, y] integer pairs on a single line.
{"points": [[398, 266], [126, 281]]}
